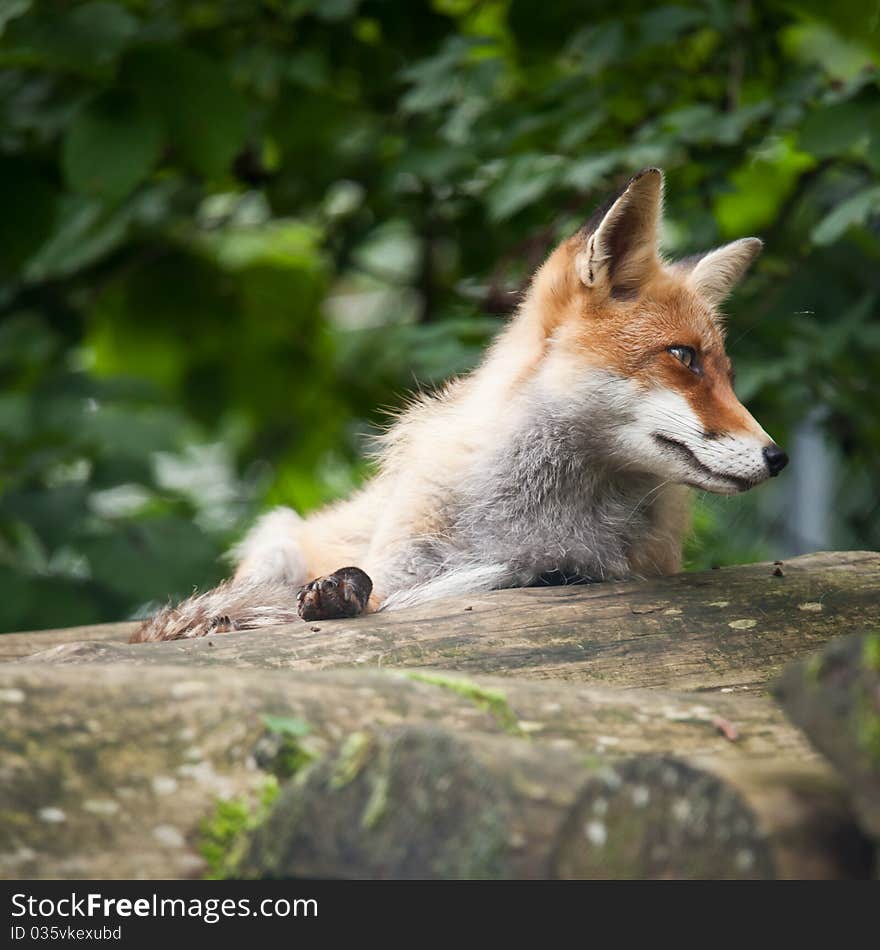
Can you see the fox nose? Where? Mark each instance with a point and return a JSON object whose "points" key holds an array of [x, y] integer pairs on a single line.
{"points": [[775, 458]]}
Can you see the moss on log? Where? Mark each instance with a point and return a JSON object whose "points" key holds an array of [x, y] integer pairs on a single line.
{"points": [[734, 628], [425, 802], [108, 772], [835, 698], [112, 756]]}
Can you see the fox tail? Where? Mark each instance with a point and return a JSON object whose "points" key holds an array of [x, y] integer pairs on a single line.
{"points": [[233, 605]]}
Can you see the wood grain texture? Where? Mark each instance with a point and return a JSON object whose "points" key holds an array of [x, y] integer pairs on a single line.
{"points": [[734, 628], [426, 802], [112, 755], [15, 646], [108, 772], [835, 698]]}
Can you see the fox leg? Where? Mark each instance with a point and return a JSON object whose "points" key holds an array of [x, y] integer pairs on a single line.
{"points": [[389, 577], [344, 593], [349, 591], [271, 552]]}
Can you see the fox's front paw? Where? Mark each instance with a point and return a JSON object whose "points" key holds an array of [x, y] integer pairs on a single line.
{"points": [[344, 593]]}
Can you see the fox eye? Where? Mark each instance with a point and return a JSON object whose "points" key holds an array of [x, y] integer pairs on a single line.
{"points": [[686, 355]]}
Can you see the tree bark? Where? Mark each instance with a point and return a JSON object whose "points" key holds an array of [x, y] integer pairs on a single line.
{"points": [[17, 646], [112, 755], [835, 698], [424, 802], [733, 628], [108, 772]]}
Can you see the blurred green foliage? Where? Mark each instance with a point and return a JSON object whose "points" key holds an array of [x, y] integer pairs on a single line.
{"points": [[234, 231]]}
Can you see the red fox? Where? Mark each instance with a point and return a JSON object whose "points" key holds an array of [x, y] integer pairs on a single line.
{"points": [[567, 454]]}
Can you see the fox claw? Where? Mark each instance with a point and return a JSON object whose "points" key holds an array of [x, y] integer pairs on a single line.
{"points": [[344, 593]]}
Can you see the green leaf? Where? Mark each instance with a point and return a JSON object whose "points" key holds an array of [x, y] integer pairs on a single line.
{"points": [[85, 39], [11, 10], [729, 128], [843, 59], [335, 9], [597, 46], [152, 558], [587, 173], [872, 153], [29, 204], [665, 24], [15, 417], [287, 725], [281, 244], [85, 231], [854, 210], [527, 179], [111, 146], [837, 129], [856, 20], [759, 187], [25, 342], [206, 117]]}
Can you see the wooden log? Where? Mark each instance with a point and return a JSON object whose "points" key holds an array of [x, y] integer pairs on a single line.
{"points": [[425, 802], [16, 646], [835, 698], [735, 628], [106, 772]]}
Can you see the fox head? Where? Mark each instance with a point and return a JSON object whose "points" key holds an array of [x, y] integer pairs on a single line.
{"points": [[643, 341]]}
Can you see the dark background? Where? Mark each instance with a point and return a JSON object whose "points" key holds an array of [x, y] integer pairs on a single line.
{"points": [[234, 233]]}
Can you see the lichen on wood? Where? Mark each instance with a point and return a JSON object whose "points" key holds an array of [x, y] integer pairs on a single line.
{"points": [[835, 699], [683, 632], [429, 803], [140, 761]]}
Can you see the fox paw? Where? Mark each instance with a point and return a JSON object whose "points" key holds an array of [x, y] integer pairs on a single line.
{"points": [[344, 593]]}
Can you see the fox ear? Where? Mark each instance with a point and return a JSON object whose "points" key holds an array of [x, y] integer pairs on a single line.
{"points": [[717, 272], [621, 250]]}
